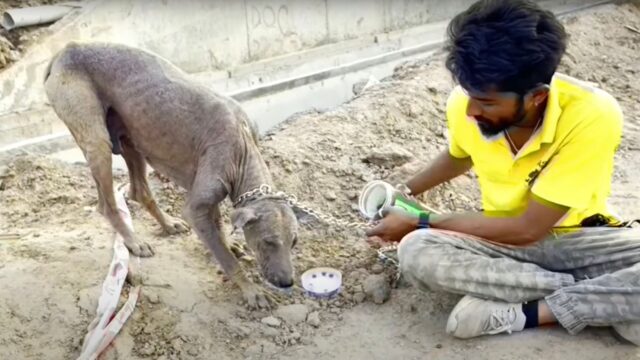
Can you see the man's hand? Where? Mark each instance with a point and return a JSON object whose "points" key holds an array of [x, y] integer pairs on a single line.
{"points": [[394, 225]]}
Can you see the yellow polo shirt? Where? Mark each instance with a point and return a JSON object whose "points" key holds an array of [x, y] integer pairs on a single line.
{"points": [[567, 161]]}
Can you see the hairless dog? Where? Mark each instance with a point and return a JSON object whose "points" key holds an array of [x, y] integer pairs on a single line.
{"points": [[123, 100]]}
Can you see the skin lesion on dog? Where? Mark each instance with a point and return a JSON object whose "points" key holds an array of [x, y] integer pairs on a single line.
{"points": [[127, 101]]}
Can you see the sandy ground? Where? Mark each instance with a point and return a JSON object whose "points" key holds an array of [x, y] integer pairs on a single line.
{"points": [[50, 277]]}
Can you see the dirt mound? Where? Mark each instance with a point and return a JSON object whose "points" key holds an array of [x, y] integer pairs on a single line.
{"points": [[388, 132], [36, 189]]}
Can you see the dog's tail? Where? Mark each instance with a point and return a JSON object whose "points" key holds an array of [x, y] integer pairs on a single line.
{"points": [[55, 57], [47, 71]]}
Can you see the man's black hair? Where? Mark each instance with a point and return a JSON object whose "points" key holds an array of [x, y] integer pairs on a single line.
{"points": [[504, 45]]}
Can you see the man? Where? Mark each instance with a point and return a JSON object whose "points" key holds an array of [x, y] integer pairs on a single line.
{"points": [[545, 248]]}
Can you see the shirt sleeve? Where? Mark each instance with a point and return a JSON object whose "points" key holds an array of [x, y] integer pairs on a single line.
{"points": [[571, 177], [456, 113]]}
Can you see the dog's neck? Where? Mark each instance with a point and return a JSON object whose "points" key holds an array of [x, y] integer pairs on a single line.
{"points": [[251, 174]]}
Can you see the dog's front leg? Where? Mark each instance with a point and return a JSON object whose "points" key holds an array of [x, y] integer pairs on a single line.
{"points": [[201, 210]]}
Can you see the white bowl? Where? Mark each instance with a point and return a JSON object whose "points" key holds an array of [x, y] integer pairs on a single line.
{"points": [[322, 282]]}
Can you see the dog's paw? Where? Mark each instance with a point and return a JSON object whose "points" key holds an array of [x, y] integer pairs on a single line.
{"points": [[175, 225], [240, 252], [140, 249], [257, 298]]}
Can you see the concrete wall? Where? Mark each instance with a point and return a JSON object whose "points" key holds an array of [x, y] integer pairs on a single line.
{"points": [[201, 36], [219, 37]]}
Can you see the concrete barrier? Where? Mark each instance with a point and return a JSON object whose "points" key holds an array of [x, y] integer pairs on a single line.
{"points": [[248, 48]]}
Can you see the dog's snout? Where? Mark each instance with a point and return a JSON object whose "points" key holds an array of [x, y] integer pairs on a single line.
{"points": [[282, 280], [287, 283]]}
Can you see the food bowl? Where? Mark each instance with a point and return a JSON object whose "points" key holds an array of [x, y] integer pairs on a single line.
{"points": [[322, 282]]}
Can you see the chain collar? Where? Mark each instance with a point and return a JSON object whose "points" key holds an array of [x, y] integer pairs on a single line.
{"points": [[264, 190]]}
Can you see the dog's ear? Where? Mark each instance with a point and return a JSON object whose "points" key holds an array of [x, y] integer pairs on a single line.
{"points": [[243, 216], [303, 217]]}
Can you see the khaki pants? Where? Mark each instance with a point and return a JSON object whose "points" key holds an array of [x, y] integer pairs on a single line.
{"points": [[590, 277]]}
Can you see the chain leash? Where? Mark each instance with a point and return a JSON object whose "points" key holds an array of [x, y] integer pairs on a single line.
{"points": [[292, 200]]}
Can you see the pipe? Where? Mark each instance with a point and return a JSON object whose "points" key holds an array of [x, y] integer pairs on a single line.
{"points": [[15, 18]]}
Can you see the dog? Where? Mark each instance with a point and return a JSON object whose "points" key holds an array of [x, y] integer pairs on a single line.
{"points": [[124, 100]]}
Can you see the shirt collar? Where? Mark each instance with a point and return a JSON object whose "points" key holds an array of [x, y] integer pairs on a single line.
{"points": [[552, 112]]}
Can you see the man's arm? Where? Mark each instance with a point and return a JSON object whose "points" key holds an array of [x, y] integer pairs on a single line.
{"points": [[443, 168], [533, 225]]}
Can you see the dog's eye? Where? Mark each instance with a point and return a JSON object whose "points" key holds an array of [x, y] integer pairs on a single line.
{"points": [[271, 240], [295, 241]]}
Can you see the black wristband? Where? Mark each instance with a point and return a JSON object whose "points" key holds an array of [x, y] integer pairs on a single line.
{"points": [[423, 220]]}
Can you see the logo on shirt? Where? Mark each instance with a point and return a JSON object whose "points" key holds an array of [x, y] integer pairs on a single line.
{"points": [[533, 175]]}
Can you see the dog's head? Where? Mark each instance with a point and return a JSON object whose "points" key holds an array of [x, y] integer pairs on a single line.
{"points": [[271, 230]]}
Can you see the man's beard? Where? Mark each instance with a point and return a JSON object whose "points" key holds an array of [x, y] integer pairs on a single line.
{"points": [[490, 131]]}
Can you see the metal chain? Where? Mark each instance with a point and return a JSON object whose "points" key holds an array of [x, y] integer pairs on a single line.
{"points": [[383, 251], [329, 219], [292, 200], [264, 189]]}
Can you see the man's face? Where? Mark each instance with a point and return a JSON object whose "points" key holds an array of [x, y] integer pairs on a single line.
{"points": [[494, 111]]}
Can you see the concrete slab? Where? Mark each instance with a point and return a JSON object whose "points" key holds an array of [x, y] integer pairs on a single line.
{"points": [[324, 73], [75, 156]]}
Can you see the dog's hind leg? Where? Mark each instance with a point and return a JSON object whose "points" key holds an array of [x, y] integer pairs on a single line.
{"points": [[76, 103], [139, 188]]}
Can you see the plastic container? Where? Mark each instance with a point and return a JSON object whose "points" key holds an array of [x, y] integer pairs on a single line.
{"points": [[379, 194], [322, 282]]}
